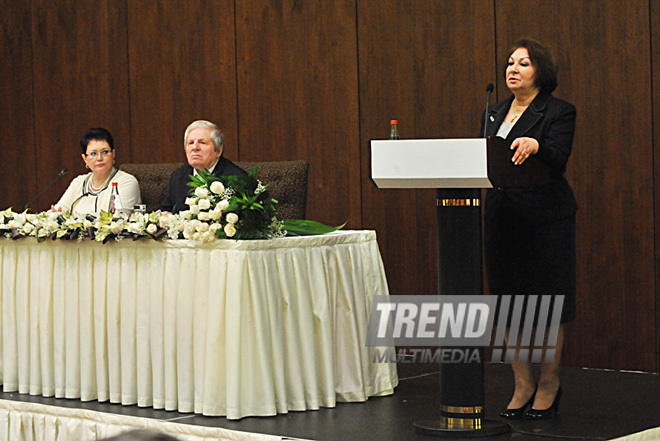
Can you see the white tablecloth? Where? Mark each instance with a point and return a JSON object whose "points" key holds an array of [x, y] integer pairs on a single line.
{"points": [[233, 328]]}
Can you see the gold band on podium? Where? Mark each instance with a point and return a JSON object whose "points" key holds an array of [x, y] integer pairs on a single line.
{"points": [[459, 202], [462, 417]]}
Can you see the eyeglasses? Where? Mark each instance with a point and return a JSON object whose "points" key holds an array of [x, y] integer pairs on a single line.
{"points": [[102, 152]]}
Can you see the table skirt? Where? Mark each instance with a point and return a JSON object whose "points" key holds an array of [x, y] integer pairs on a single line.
{"points": [[234, 328]]}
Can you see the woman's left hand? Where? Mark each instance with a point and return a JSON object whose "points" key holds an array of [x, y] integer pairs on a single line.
{"points": [[524, 147]]}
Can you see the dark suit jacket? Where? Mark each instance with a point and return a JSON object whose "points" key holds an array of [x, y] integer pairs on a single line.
{"points": [[551, 122], [177, 189]]}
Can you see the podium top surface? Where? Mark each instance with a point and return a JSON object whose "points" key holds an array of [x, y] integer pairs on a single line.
{"points": [[452, 163], [430, 163]]}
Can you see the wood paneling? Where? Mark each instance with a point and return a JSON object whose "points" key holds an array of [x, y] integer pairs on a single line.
{"points": [[80, 81], [422, 66], [605, 72], [317, 80], [18, 178], [182, 68], [297, 82], [655, 67]]}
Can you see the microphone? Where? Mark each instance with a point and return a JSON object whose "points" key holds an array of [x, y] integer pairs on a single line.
{"points": [[62, 173], [489, 89]]}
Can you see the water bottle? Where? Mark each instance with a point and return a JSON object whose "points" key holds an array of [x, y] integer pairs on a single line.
{"points": [[394, 131], [115, 201]]}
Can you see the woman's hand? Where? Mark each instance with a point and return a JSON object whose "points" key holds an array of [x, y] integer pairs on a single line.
{"points": [[524, 147], [55, 208]]}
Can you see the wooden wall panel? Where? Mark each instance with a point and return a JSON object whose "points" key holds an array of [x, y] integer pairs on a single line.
{"points": [[603, 53], [298, 98], [655, 67], [80, 81], [182, 68], [17, 150], [423, 66]]}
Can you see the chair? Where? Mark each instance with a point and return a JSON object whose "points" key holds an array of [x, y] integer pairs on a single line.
{"points": [[286, 181]]}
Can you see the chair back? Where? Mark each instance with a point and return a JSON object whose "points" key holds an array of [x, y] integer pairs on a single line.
{"points": [[153, 180], [286, 181]]}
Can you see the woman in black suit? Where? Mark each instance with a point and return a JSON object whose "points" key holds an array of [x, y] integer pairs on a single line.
{"points": [[529, 237]]}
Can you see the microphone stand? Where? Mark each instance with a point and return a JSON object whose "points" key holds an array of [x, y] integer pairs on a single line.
{"points": [[62, 173], [489, 89]]}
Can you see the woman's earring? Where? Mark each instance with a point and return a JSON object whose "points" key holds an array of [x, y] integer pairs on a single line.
{"points": [[86, 166]]}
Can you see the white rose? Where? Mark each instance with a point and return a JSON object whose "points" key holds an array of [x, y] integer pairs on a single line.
{"points": [[191, 201], [134, 228], [215, 214], [202, 192], [222, 205], [116, 227], [194, 209], [208, 236], [197, 237], [28, 228], [217, 187], [230, 230], [204, 216], [202, 227], [185, 214], [13, 224], [232, 218], [187, 234], [164, 221], [152, 229], [52, 225], [214, 227], [204, 204]]}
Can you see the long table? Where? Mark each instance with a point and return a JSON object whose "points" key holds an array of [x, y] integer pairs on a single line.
{"points": [[233, 328]]}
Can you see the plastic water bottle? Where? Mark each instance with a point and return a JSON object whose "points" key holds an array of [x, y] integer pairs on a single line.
{"points": [[394, 131]]}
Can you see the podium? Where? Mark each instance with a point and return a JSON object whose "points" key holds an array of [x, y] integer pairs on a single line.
{"points": [[458, 169]]}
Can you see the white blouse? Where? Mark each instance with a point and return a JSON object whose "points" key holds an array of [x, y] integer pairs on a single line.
{"points": [[504, 130], [83, 200]]}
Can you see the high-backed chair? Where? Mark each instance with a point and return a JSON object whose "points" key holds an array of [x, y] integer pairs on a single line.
{"points": [[286, 181]]}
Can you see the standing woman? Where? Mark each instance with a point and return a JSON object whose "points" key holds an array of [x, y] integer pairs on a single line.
{"points": [[90, 193], [529, 235]]}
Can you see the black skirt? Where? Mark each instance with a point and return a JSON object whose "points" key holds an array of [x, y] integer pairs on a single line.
{"points": [[525, 258]]}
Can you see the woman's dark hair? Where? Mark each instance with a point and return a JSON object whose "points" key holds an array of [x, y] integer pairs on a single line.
{"points": [[97, 134], [542, 59]]}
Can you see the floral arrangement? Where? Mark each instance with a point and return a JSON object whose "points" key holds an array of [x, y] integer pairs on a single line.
{"points": [[237, 207]]}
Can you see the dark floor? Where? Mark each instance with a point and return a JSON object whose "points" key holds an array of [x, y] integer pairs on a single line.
{"points": [[596, 404]]}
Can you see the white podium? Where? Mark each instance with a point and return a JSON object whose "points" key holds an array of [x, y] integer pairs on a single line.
{"points": [[458, 169]]}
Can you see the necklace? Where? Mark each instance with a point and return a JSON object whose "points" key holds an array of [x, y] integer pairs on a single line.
{"points": [[96, 189], [516, 114]]}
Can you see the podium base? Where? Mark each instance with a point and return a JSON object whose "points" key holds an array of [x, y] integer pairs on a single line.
{"points": [[440, 429]]}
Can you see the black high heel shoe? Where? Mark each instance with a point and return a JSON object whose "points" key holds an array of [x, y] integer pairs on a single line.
{"points": [[513, 414], [550, 412]]}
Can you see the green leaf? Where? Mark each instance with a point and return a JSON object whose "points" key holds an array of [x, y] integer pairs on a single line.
{"points": [[302, 227]]}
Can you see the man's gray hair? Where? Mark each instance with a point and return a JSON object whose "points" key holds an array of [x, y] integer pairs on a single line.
{"points": [[216, 134]]}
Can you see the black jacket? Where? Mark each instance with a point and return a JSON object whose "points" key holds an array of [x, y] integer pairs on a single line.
{"points": [[177, 189], [551, 122]]}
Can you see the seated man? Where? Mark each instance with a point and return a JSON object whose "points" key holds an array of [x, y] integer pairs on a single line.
{"points": [[203, 143]]}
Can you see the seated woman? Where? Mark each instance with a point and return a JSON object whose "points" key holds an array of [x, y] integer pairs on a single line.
{"points": [[90, 193]]}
